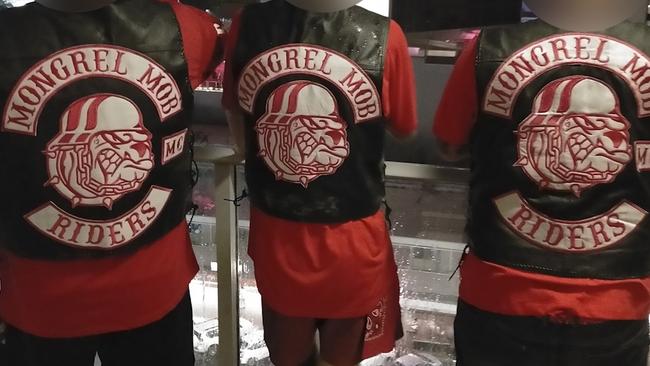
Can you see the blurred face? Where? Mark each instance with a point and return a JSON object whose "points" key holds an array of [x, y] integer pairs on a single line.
{"points": [[586, 15], [324, 6]]}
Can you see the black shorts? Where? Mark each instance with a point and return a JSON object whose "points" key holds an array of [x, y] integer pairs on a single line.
{"points": [[167, 342], [487, 339]]}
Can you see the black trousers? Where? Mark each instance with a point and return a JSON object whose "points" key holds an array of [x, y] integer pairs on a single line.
{"points": [[167, 342], [486, 339]]}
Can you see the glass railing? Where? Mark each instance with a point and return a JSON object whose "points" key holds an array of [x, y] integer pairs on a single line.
{"points": [[428, 217]]}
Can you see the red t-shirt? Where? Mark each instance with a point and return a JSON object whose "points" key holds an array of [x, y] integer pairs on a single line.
{"points": [[333, 270], [503, 290], [87, 297]]}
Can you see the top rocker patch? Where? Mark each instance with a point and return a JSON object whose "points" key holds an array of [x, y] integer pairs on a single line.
{"points": [[528, 64]]}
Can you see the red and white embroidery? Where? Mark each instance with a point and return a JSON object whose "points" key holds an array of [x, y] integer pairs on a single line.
{"points": [[576, 137], [376, 321], [303, 59], [592, 233], [173, 146], [48, 77], [595, 50], [102, 151], [54, 222], [302, 136]]}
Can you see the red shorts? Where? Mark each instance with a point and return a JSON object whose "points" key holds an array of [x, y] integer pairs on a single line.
{"points": [[342, 342], [291, 340], [313, 274]]}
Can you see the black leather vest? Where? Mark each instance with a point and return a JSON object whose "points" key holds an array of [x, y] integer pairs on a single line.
{"points": [[310, 86], [93, 145], [561, 151]]}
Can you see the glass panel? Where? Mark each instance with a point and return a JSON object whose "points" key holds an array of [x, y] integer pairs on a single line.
{"points": [[428, 237], [203, 288]]}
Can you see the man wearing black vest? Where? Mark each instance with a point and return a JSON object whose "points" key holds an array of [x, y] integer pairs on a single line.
{"points": [[313, 92], [95, 159], [558, 271]]}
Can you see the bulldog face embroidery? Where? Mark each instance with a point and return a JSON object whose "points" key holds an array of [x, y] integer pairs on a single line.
{"points": [[102, 152], [576, 137], [302, 136]]}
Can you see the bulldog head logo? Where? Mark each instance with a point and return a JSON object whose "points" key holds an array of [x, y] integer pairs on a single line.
{"points": [[302, 136], [102, 151], [576, 137]]}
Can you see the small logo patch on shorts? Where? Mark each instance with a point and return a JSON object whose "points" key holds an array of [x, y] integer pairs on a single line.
{"points": [[376, 321]]}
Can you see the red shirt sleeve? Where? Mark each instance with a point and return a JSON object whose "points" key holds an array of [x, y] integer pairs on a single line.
{"points": [[458, 107], [202, 43], [398, 92], [229, 99]]}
